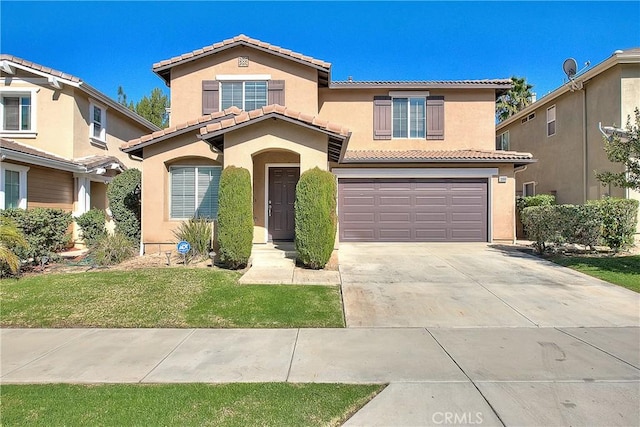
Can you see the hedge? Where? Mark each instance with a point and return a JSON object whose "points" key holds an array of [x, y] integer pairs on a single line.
{"points": [[124, 201], [523, 202], [92, 226], [608, 221], [315, 217], [46, 230], [235, 217]]}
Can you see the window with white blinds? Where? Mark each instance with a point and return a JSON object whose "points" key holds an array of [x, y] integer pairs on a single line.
{"points": [[244, 95], [194, 191]]}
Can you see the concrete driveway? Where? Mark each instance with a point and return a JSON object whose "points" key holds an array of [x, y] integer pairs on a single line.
{"points": [[473, 285]]}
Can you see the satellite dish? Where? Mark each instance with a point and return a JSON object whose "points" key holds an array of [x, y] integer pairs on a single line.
{"points": [[570, 67]]}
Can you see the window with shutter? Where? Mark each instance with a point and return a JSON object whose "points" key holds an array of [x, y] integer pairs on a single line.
{"points": [[415, 117], [382, 117], [210, 97], [435, 117], [194, 191], [276, 92]]}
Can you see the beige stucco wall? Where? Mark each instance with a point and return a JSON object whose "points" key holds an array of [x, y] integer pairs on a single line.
{"points": [[157, 227], [120, 129], [469, 119], [54, 115], [273, 141], [301, 92]]}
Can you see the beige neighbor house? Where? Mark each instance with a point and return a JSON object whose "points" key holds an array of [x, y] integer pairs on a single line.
{"points": [[414, 160], [60, 139], [562, 130]]}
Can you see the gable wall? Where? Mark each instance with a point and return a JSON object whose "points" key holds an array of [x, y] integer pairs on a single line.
{"points": [[469, 119], [301, 87]]}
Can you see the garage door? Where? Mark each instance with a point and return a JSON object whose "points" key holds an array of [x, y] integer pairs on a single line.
{"points": [[412, 210]]}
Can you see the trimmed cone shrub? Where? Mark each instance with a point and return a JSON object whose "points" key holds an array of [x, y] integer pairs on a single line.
{"points": [[235, 217], [92, 226], [619, 221], [46, 231], [124, 201], [315, 220]]}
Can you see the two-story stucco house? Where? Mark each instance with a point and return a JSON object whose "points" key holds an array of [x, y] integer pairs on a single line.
{"points": [[562, 130], [60, 139], [414, 160]]}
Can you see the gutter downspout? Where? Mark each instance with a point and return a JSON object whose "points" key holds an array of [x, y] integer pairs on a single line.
{"points": [[515, 225], [584, 144]]}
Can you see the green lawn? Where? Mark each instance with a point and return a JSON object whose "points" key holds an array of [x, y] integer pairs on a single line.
{"points": [[619, 270], [265, 404], [164, 298]]}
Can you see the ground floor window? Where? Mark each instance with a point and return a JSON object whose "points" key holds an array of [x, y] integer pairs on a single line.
{"points": [[13, 186], [194, 191]]}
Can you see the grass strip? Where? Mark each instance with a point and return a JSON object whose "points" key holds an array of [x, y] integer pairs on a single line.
{"points": [[164, 298], [619, 270], [246, 404]]}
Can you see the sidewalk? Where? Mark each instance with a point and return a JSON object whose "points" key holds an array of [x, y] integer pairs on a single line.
{"points": [[535, 376]]}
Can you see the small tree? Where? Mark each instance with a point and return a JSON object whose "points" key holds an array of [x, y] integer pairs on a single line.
{"points": [[124, 201], [316, 221], [92, 226], [11, 238], [235, 217], [624, 148]]}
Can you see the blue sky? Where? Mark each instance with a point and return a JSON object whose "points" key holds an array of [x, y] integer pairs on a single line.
{"points": [[108, 44]]}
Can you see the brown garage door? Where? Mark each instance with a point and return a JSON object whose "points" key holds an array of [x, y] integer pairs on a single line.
{"points": [[412, 210]]}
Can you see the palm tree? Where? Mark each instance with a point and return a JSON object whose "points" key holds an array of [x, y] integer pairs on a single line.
{"points": [[515, 99], [10, 239]]}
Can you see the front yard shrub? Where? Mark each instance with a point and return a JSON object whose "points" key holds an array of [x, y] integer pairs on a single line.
{"points": [[235, 217], [315, 220], [123, 193], [523, 202], [46, 231], [579, 224], [619, 221], [11, 238], [113, 249], [198, 232], [541, 224], [92, 226]]}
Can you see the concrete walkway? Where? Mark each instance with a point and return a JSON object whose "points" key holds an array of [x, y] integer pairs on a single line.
{"points": [[500, 376], [276, 264]]}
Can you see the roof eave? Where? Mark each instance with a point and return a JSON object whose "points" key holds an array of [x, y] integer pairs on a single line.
{"points": [[519, 162]]}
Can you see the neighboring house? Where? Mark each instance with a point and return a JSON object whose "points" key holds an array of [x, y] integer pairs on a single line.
{"points": [[414, 160], [60, 139], [562, 131]]}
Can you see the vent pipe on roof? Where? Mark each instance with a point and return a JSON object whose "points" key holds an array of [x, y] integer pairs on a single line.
{"points": [[350, 79]]}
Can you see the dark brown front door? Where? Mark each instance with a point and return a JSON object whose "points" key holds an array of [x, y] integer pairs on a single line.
{"points": [[281, 198]]}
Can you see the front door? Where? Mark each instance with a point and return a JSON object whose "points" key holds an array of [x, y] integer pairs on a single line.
{"points": [[281, 199]]}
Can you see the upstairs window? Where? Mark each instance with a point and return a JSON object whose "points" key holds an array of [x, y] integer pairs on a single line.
{"points": [[502, 141], [551, 120], [17, 112], [409, 117], [244, 95], [529, 189], [97, 122]]}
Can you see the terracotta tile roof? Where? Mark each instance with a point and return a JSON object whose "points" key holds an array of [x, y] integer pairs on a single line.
{"points": [[85, 164], [239, 40], [434, 155], [500, 83], [224, 121], [38, 67]]}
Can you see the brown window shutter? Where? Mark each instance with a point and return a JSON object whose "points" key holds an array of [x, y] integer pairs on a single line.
{"points": [[435, 117], [276, 92], [210, 97], [381, 117]]}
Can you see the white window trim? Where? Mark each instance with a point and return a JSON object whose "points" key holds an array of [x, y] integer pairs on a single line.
{"points": [[403, 95], [22, 170], [196, 182], [524, 186], [555, 120], [102, 140], [31, 133], [500, 138], [244, 100]]}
